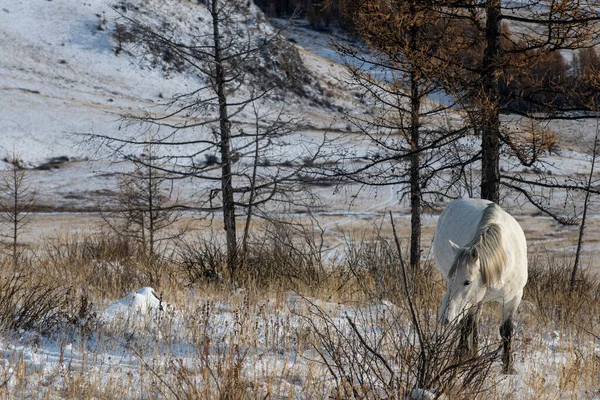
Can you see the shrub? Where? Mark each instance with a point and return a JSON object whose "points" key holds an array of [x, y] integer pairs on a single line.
{"points": [[102, 264], [547, 290], [123, 35], [202, 260], [375, 351], [282, 255], [30, 302]]}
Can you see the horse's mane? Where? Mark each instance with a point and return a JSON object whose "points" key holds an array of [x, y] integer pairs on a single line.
{"points": [[487, 246]]}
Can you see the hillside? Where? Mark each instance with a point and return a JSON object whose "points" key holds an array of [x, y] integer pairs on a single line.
{"points": [[61, 75], [62, 78]]}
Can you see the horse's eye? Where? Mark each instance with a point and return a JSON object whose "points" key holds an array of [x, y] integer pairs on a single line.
{"points": [[467, 283]]}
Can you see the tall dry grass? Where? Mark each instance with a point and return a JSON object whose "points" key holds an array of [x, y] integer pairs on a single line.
{"points": [[295, 323]]}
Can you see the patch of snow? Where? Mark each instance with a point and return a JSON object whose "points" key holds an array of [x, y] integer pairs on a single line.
{"points": [[422, 394], [143, 302]]}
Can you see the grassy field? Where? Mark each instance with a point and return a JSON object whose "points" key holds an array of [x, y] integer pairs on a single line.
{"points": [[295, 324]]}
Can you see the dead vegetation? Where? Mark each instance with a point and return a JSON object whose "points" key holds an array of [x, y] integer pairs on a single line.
{"points": [[296, 324]]}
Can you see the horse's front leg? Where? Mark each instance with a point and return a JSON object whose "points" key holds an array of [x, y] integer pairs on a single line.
{"points": [[506, 333], [468, 333], [475, 333]]}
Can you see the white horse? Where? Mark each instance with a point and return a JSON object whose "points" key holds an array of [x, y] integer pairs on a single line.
{"points": [[481, 251]]}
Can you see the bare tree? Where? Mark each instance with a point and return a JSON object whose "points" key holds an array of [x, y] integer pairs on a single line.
{"points": [[585, 210], [147, 211], [206, 135], [17, 199], [416, 141]]}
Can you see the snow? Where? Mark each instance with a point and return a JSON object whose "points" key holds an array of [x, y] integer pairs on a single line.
{"points": [[269, 337], [60, 78], [143, 302], [421, 394]]}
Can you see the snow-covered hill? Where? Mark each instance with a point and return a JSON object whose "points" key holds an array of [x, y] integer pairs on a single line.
{"points": [[60, 74]]}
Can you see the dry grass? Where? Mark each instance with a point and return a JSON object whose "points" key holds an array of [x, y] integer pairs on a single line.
{"points": [[295, 325], [548, 291]]}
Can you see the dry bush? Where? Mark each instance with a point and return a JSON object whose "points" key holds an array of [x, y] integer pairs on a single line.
{"points": [[102, 265], [29, 302], [202, 260], [548, 290], [375, 351], [220, 370], [281, 256], [285, 255], [375, 266]]}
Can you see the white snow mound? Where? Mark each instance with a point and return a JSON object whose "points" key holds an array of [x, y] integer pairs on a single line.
{"points": [[140, 303], [422, 394]]}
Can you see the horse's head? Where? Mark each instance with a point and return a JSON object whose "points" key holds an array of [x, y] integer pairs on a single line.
{"points": [[465, 285]]}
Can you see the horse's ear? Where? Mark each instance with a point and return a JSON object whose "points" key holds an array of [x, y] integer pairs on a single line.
{"points": [[474, 254], [454, 246]]}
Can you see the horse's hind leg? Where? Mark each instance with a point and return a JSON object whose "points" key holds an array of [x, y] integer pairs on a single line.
{"points": [[506, 330]]}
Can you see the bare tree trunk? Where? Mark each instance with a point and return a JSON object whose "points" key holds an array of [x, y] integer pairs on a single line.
{"points": [[490, 132], [252, 186], [415, 164], [151, 193], [225, 146], [151, 252], [584, 216], [17, 180], [415, 177]]}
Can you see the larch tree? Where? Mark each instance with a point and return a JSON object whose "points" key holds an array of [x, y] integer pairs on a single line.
{"points": [[17, 200], [415, 139], [224, 134], [147, 211], [506, 45]]}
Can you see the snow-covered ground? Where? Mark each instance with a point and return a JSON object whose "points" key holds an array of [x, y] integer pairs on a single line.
{"points": [[143, 348]]}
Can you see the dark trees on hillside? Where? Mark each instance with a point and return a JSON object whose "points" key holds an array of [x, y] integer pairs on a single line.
{"points": [[320, 14], [586, 78], [541, 29]]}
